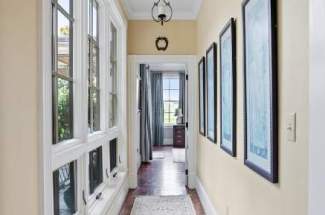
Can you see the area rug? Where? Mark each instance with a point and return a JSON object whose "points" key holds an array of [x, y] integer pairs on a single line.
{"points": [[163, 205], [158, 155], [179, 155]]}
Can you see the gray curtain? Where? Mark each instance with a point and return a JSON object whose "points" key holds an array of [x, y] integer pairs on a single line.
{"points": [[157, 109], [182, 92], [146, 115]]}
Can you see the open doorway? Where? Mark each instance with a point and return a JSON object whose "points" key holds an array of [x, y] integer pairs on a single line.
{"points": [[170, 168], [162, 113]]}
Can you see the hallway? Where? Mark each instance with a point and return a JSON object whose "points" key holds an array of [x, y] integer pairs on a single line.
{"points": [[162, 177]]}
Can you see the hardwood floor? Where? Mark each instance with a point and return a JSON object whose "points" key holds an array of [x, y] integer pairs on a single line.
{"points": [[161, 177]]}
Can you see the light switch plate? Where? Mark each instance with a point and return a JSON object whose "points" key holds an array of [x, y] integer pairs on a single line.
{"points": [[291, 127]]}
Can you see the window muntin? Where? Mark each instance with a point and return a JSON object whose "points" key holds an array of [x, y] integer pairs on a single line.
{"points": [[64, 190], [113, 99], [62, 70], [171, 98], [93, 68], [95, 169]]}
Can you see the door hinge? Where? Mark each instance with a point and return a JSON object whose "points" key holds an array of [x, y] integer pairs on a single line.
{"points": [[186, 125], [186, 77], [186, 172]]}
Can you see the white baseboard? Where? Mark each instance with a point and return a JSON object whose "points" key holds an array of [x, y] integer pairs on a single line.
{"points": [[204, 198]]}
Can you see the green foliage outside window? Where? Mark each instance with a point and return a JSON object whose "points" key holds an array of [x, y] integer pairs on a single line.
{"points": [[64, 110]]}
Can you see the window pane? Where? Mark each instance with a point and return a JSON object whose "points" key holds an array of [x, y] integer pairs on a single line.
{"points": [[95, 23], [89, 16], [113, 154], [166, 118], [113, 110], [94, 67], [95, 169], [174, 95], [65, 4], [64, 190], [166, 107], [89, 111], [96, 110], [64, 108], [64, 54], [166, 95], [113, 79], [172, 119], [173, 106], [174, 83], [165, 83]]}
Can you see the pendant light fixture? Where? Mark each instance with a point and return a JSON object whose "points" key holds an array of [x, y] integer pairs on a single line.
{"points": [[162, 11]]}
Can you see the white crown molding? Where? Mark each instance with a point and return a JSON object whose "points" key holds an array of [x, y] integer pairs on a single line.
{"points": [[179, 15]]}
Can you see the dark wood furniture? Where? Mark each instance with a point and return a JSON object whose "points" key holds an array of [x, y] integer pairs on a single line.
{"points": [[179, 136]]}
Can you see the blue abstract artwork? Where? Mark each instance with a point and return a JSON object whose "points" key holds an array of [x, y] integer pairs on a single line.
{"points": [[227, 88], [202, 95], [259, 87], [211, 100]]}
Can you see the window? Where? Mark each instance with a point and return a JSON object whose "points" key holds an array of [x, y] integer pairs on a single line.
{"points": [[113, 154], [82, 85], [64, 190], [62, 71], [113, 78], [95, 169], [93, 68], [171, 98]]}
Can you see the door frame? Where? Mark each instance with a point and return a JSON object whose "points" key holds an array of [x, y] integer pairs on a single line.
{"points": [[134, 62]]}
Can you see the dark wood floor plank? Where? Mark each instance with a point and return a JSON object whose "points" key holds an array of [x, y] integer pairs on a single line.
{"points": [[161, 177]]}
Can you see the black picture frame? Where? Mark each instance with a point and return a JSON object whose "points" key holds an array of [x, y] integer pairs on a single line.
{"points": [[228, 146], [202, 98], [270, 173], [211, 79]]}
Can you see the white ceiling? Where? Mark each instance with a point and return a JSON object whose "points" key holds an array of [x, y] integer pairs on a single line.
{"points": [[182, 9]]}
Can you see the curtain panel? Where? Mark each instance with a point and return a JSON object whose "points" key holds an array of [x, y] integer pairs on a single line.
{"points": [[157, 108]]}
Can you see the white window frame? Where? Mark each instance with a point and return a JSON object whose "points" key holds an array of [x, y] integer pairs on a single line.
{"points": [[78, 148], [169, 75]]}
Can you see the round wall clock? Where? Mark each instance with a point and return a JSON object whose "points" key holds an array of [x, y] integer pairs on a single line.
{"points": [[161, 43]]}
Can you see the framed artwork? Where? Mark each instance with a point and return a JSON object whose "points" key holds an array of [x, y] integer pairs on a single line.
{"points": [[227, 46], [260, 87], [202, 95], [211, 81]]}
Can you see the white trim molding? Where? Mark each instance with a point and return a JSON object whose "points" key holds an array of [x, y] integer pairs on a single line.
{"points": [[316, 188], [204, 198], [134, 62]]}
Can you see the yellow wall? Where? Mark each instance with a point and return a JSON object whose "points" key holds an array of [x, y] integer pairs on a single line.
{"points": [[230, 184], [181, 36], [18, 107]]}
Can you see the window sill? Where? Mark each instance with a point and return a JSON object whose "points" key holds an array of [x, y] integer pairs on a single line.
{"points": [[109, 195], [93, 137]]}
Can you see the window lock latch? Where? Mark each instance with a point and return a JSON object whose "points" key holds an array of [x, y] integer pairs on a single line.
{"points": [[98, 196], [84, 197], [107, 175]]}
